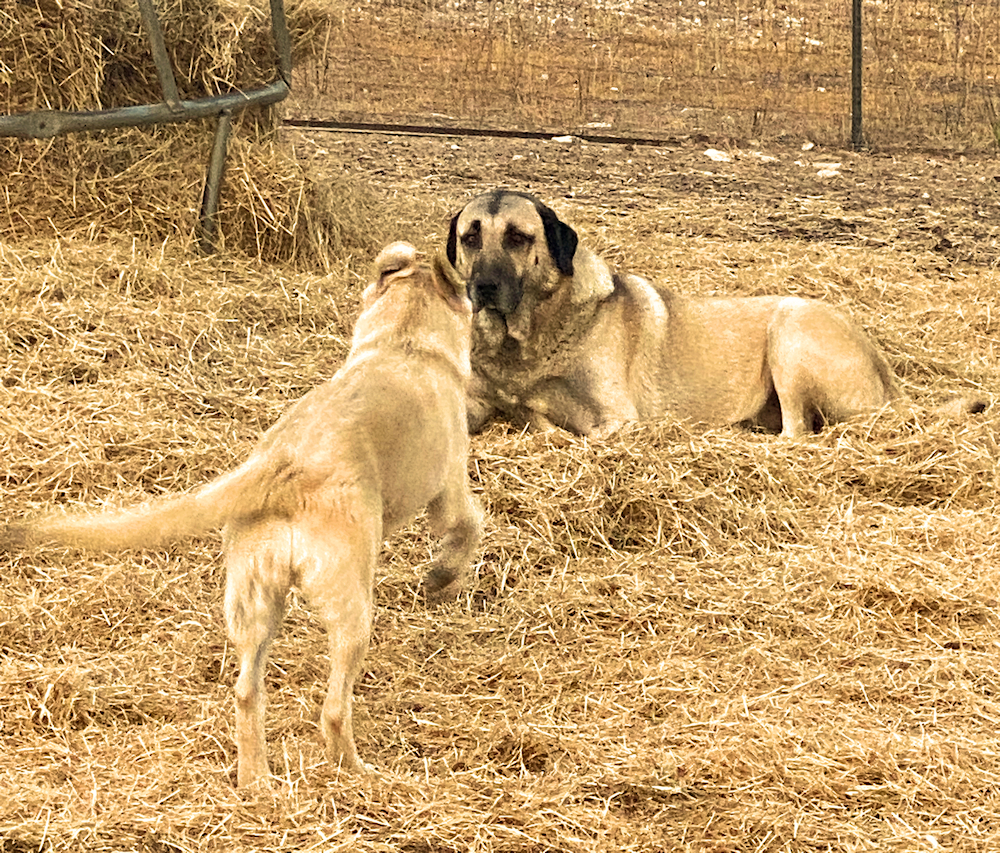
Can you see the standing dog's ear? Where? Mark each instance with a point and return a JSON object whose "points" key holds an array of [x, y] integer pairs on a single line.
{"points": [[394, 259], [450, 285], [561, 238], [451, 249]]}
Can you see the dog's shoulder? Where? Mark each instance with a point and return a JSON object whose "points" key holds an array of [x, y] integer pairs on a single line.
{"points": [[639, 288], [637, 297]]}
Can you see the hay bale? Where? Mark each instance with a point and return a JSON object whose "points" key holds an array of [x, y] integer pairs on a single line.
{"points": [[51, 54], [94, 54], [148, 182]]}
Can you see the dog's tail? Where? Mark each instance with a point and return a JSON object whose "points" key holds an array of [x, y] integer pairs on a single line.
{"points": [[956, 409], [155, 522], [960, 406]]}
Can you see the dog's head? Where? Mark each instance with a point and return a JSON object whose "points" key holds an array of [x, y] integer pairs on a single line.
{"points": [[395, 262], [418, 305], [400, 261], [507, 243]]}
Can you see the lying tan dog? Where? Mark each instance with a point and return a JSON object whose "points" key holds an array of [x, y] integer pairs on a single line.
{"points": [[348, 463], [559, 340]]}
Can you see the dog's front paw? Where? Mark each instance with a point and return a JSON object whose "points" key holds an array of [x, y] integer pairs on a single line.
{"points": [[440, 584]]}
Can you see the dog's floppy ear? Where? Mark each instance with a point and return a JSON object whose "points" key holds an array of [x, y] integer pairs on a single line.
{"points": [[451, 249], [561, 238], [450, 284], [395, 258]]}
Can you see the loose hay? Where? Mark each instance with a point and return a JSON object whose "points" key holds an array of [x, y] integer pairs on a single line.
{"points": [[675, 638]]}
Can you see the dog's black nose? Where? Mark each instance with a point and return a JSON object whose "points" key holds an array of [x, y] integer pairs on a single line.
{"points": [[495, 285], [503, 296], [482, 295]]}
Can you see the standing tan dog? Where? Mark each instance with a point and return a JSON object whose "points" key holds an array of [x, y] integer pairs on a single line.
{"points": [[559, 340], [348, 463]]}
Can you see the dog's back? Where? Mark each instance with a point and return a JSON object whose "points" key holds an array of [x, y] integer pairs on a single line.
{"points": [[391, 420]]}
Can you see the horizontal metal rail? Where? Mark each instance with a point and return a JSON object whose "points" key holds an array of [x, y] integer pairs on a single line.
{"points": [[48, 123], [43, 124], [585, 135]]}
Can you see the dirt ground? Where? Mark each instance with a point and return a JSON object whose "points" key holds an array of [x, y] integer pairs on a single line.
{"points": [[946, 206]]}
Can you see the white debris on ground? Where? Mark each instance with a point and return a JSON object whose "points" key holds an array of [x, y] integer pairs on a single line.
{"points": [[824, 170], [718, 156], [827, 170]]}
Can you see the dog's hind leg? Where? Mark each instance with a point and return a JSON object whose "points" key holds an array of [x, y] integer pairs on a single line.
{"points": [[824, 369], [257, 581], [335, 561], [456, 515]]}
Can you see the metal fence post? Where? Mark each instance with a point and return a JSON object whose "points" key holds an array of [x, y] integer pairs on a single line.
{"points": [[208, 223], [857, 134]]}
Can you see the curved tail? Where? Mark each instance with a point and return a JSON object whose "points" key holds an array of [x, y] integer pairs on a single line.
{"points": [[148, 524], [963, 406]]}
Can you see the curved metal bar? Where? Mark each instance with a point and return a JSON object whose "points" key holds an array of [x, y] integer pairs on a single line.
{"points": [[48, 123]]}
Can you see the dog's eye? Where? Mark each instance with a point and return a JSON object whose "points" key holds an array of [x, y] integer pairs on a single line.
{"points": [[472, 240], [517, 239]]}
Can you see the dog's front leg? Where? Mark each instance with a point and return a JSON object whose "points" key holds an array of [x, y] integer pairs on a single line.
{"points": [[480, 410], [607, 428], [456, 515]]}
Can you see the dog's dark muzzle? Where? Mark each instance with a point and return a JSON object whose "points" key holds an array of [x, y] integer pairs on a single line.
{"points": [[495, 284]]}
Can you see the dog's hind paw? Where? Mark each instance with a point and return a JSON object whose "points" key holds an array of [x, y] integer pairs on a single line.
{"points": [[967, 405]]}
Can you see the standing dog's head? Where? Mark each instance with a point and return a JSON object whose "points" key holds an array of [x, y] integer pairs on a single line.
{"points": [[399, 261], [509, 246], [415, 304]]}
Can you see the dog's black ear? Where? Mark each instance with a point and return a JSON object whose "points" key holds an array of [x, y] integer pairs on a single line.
{"points": [[451, 248], [561, 238]]}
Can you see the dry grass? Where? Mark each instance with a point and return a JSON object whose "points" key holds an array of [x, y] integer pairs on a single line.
{"points": [[674, 639]]}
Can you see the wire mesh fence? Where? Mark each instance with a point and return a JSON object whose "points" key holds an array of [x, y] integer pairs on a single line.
{"points": [[765, 69]]}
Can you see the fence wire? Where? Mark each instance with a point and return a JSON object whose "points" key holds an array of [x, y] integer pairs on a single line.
{"points": [[750, 70]]}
